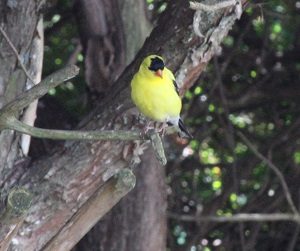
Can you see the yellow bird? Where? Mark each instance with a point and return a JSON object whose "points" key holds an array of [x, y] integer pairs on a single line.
{"points": [[155, 93]]}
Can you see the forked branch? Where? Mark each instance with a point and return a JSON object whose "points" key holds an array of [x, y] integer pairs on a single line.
{"points": [[9, 120]]}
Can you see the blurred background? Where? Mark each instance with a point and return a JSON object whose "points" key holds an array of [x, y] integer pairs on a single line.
{"points": [[243, 113]]}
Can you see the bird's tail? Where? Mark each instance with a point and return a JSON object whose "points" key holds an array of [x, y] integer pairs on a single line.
{"points": [[183, 128]]}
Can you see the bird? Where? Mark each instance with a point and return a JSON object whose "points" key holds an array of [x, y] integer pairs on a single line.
{"points": [[155, 93]]}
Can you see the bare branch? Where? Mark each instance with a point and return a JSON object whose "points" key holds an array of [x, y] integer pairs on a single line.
{"points": [[40, 90], [94, 209], [9, 121], [19, 126], [293, 241], [212, 7], [8, 118], [238, 218], [274, 168]]}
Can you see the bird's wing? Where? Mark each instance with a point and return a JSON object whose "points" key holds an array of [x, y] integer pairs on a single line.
{"points": [[171, 76], [184, 129], [176, 86]]}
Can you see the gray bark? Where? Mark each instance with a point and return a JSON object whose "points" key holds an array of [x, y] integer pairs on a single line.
{"points": [[138, 222], [19, 20], [142, 212]]}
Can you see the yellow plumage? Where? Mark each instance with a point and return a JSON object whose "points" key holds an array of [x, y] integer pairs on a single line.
{"points": [[153, 90], [155, 97]]}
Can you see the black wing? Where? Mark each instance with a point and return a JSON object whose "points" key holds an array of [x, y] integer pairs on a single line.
{"points": [[176, 86], [184, 129]]}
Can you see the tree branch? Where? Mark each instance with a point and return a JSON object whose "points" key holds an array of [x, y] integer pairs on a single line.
{"points": [[37, 53], [36, 92], [17, 204], [212, 7], [8, 119], [238, 218], [94, 209], [19, 126], [200, 7], [275, 169], [158, 147]]}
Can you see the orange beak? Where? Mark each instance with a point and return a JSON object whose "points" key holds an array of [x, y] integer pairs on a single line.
{"points": [[159, 73]]}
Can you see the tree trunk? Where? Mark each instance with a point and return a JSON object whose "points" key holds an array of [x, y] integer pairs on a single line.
{"points": [[63, 182], [142, 224], [19, 20], [102, 36]]}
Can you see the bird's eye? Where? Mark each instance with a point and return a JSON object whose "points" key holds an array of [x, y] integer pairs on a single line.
{"points": [[156, 64]]}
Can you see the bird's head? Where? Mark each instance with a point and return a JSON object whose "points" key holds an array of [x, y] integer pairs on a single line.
{"points": [[154, 64]]}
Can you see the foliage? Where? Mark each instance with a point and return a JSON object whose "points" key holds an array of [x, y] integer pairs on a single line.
{"points": [[61, 42]]}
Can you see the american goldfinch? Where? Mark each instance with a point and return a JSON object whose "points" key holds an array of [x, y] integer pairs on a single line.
{"points": [[155, 93]]}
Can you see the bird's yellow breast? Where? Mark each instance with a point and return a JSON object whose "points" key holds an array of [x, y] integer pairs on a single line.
{"points": [[156, 97]]}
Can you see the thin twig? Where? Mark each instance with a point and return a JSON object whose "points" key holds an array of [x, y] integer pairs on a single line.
{"points": [[16, 54], [73, 57], [237, 218], [294, 239], [274, 168]]}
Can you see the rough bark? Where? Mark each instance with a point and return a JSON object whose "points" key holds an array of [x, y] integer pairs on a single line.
{"points": [[138, 222], [64, 181], [95, 208], [142, 225], [19, 20]]}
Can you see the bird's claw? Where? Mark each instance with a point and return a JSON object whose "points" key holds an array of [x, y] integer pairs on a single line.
{"points": [[161, 129]]}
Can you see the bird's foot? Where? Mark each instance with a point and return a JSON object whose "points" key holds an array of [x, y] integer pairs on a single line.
{"points": [[161, 128], [149, 126]]}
